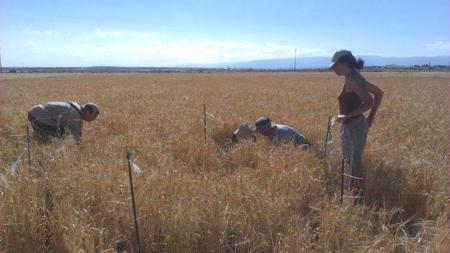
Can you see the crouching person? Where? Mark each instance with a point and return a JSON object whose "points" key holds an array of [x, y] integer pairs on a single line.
{"points": [[280, 134], [52, 119]]}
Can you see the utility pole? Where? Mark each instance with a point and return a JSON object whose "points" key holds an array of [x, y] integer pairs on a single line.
{"points": [[295, 59]]}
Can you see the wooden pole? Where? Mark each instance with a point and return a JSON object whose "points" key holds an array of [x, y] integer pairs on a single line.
{"points": [[136, 229]]}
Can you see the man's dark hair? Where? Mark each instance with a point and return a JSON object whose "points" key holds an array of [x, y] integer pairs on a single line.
{"points": [[88, 108], [261, 121]]}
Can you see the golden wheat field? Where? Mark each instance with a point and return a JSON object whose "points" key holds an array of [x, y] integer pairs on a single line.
{"points": [[218, 197]]}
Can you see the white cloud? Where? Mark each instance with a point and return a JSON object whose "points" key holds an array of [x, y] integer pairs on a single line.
{"points": [[31, 44], [100, 33], [144, 48], [38, 32], [138, 46], [154, 48], [149, 35], [438, 45]]}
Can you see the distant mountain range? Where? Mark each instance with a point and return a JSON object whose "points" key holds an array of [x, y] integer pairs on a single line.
{"points": [[268, 64], [323, 62]]}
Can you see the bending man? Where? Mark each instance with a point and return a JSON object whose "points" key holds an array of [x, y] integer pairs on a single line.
{"points": [[280, 134], [52, 119]]}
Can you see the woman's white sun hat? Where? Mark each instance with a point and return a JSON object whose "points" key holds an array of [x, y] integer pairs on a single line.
{"points": [[337, 55]]}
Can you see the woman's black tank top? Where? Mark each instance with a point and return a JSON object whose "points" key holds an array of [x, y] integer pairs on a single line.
{"points": [[350, 101]]}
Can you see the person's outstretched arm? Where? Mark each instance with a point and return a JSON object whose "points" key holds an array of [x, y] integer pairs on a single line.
{"points": [[301, 141], [76, 130]]}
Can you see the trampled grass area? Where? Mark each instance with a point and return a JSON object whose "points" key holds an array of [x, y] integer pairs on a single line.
{"points": [[249, 197]]}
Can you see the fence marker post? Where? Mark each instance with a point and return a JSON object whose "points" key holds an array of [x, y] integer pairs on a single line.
{"points": [[205, 155], [204, 121], [342, 180], [326, 141], [136, 229]]}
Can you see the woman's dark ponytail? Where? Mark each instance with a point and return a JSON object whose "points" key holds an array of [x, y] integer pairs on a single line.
{"points": [[351, 61], [359, 64]]}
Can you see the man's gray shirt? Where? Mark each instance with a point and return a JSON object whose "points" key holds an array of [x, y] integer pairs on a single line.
{"points": [[286, 134], [61, 115]]}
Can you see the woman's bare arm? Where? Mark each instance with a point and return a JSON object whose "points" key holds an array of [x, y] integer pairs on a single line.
{"points": [[377, 97]]}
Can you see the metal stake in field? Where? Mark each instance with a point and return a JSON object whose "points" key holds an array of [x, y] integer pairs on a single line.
{"points": [[328, 139], [28, 148], [129, 155], [342, 180], [204, 122], [205, 158]]}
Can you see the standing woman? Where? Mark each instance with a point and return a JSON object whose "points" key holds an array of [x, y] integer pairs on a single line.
{"points": [[357, 97]]}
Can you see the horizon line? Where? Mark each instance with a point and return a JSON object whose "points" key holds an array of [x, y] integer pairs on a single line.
{"points": [[208, 65]]}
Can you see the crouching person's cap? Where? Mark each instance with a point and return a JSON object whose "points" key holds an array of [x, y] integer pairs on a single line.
{"points": [[92, 108]]}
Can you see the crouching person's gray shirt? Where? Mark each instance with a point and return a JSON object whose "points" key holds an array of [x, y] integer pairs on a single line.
{"points": [[286, 134], [60, 115]]}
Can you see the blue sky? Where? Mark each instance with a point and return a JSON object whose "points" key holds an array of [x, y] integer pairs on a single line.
{"points": [[169, 33]]}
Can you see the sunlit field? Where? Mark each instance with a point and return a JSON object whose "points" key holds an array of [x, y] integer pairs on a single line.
{"points": [[194, 196]]}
